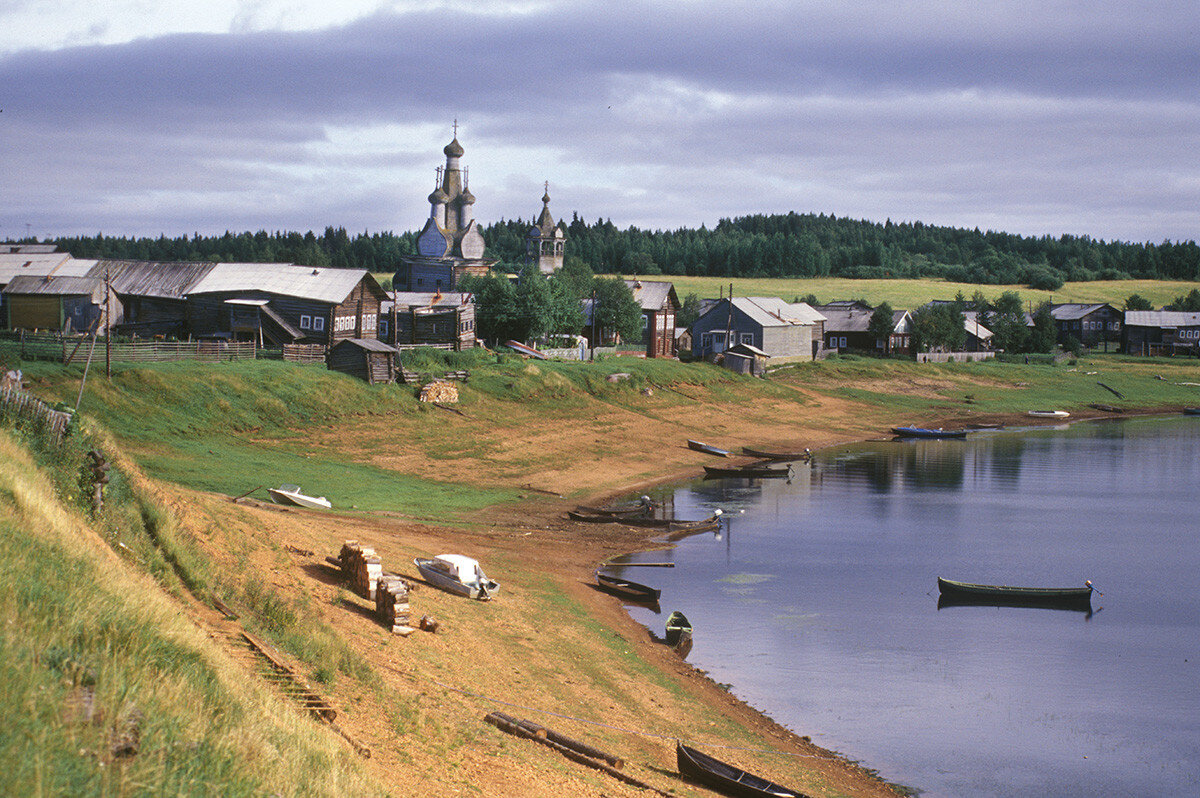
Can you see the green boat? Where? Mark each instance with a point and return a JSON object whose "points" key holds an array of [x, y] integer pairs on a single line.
{"points": [[1006, 595], [677, 626]]}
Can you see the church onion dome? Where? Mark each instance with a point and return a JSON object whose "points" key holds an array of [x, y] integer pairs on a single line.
{"points": [[466, 197], [453, 149], [546, 198], [438, 197]]}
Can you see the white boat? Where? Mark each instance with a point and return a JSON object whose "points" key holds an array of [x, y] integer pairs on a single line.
{"points": [[1048, 413], [456, 574], [290, 494]]}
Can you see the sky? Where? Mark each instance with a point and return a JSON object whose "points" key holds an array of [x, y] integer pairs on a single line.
{"points": [[1042, 117]]}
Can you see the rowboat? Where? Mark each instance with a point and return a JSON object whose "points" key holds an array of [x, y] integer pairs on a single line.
{"points": [[677, 625], [707, 449], [965, 592], [922, 432], [626, 589], [776, 456], [617, 512], [725, 778], [290, 494], [1048, 413], [1191, 411], [669, 524], [455, 573], [1105, 408], [746, 472]]}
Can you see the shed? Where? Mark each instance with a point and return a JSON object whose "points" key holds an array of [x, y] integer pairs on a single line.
{"points": [[366, 358], [70, 304], [746, 359]]}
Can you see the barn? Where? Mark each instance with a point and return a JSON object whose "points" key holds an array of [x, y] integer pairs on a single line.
{"points": [[69, 304], [368, 359]]}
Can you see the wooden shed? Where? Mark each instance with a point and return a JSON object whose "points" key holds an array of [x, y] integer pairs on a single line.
{"points": [[366, 358], [70, 304]]}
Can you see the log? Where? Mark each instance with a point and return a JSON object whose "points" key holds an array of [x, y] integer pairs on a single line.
{"points": [[575, 745]]}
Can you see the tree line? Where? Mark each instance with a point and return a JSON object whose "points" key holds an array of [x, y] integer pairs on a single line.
{"points": [[779, 245]]}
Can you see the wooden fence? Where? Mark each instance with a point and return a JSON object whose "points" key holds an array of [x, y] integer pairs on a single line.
{"points": [[305, 354], [56, 346], [21, 407]]}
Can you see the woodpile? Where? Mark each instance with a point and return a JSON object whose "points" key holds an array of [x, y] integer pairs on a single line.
{"points": [[439, 391], [391, 604], [362, 568]]}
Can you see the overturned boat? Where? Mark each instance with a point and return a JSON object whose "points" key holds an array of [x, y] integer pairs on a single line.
{"points": [[455, 573]]}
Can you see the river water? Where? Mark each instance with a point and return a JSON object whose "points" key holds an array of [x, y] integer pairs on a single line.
{"points": [[818, 604]]}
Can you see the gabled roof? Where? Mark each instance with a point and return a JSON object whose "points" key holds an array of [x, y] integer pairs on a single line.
{"points": [[1069, 311], [35, 263], [369, 344], [303, 282], [56, 286], [1165, 319], [161, 279], [652, 294], [845, 318], [772, 311], [419, 299]]}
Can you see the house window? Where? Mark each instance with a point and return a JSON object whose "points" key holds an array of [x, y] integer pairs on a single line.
{"points": [[318, 324], [748, 338], [306, 322], [383, 328], [705, 340], [842, 345], [645, 322]]}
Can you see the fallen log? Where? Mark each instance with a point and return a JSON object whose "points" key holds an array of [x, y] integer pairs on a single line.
{"points": [[575, 745], [1113, 391]]}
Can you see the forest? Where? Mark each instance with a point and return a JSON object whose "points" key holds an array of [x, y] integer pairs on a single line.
{"points": [[780, 245]]}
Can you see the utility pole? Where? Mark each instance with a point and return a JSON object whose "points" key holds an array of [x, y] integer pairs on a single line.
{"points": [[592, 354], [107, 324]]}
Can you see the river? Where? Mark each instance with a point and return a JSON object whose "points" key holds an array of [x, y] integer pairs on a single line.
{"points": [[818, 604]]}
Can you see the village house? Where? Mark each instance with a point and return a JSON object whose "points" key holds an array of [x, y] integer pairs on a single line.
{"points": [[1092, 325], [445, 320], [66, 304], [784, 331], [29, 260], [659, 304], [846, 327], [1161, 332]]}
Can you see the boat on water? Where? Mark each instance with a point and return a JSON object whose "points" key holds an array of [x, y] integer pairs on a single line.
{"points": [[777, 456], [751, 471], [726, 778], [679, 633], [1048, 413], [707, 449], [627, 589], [455, 573], [290, 494], [669, 524], [1191, 411], [924, 432], [1007, 595]]}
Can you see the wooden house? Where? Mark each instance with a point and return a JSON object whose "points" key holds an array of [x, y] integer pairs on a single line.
{"points": [[445, 320], [1093, 325], [847, 324], [787, 332], [368, 359], [68, 304], [659, 304], [30, 260], [153, 294], [1161, 332]]}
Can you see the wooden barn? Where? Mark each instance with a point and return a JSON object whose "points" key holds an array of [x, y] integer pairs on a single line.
{"points": [[153, 293], [368, 359], [445, 320], [70, 304]]}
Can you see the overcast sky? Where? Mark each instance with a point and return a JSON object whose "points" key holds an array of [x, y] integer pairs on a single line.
{"points": [[1046, 117]]}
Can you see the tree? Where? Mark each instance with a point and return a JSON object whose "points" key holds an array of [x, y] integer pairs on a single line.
{"points": [[615, 310], [533, 303], [689, 311], [881, 325], [1008, 327], [1044, 333], [1189, 303], [1137, 302], [938, 326], [497, 316]]}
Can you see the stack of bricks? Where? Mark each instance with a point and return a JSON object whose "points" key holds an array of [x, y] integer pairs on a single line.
{"points": [[391, 604], [362, 568]]}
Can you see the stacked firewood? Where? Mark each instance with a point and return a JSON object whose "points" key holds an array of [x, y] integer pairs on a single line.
{"points": [[362, 568], [391, 604], [440, 392]]}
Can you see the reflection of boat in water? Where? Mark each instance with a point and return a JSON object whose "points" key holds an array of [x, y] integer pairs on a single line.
{"points": [[290, 494], [748, 472], [726, 778], [627, 589], [456, 574], [967, 594], [777, 456], [923, 432]]}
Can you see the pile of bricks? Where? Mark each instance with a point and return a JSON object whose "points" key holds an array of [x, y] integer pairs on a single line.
{"points": [[391, 604], [362, 568], [440, 392]]}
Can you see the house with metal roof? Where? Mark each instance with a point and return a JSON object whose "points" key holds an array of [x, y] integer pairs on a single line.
{"points": [[1161, 332], [1094, 324], [786, 332], [847, 323]]}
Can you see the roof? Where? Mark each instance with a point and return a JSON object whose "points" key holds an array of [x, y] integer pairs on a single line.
{"points": [[420, 299], [36, 263], [304, 282], [845, 317], [1075, 310], [774, 312], [746, 349], [56, 286], [1161, 318], [162, 279], [651, 294], [369, 344], [978, 330]]}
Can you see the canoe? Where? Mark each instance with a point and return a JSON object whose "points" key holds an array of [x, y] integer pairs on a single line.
{"points": [[677, 624], [632, 511], [627, 589], [669, 524], [707, 449], [1009, 595], [747, 472], [1191, 411], [922, 432], [776, 456], [1105, 408], [290, 494], [455, 573], [1048, 413], [726, 778]]}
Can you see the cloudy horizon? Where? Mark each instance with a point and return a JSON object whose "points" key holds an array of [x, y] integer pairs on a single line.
{"points": [[1044, 118]]}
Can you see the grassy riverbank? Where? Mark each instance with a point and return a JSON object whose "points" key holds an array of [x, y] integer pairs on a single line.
{"points": [[414, 480]]}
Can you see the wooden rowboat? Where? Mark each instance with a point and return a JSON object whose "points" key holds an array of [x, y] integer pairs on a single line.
{"points": [[1191, 411], [725, 778], [1006, 595], [922, 432], [677, 624], [747, 472], [776, 456], [1047, 413], [668, 524], [627, 589], [616, 512], [707, 449]]}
